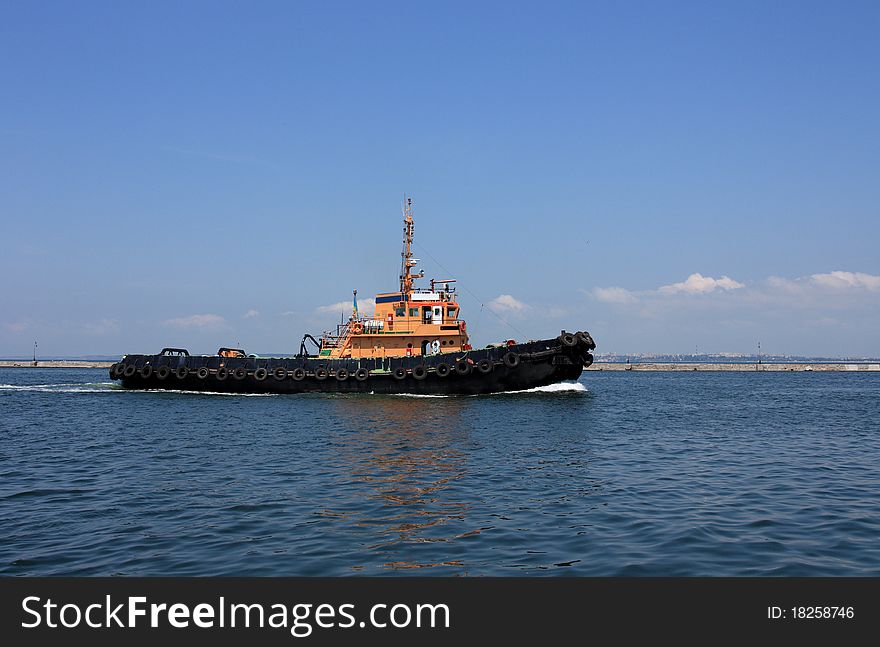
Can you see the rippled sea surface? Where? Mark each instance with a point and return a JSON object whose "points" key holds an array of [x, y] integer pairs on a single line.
{"points": [[620, 474]]}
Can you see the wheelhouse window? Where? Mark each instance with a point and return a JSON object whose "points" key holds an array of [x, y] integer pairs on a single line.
{"points": [[400, 312]]}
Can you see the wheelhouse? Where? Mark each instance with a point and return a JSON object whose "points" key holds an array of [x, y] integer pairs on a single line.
{"points": [[410, 321]]}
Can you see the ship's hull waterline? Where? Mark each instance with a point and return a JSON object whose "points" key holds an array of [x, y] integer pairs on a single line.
{"points": [[503, 368]]}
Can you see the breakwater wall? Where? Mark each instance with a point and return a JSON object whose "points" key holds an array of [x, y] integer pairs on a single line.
{"points": [[54, 363], [684, 367]]}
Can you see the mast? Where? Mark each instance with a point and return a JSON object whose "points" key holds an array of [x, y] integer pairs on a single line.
{"points": [[407, 261]]}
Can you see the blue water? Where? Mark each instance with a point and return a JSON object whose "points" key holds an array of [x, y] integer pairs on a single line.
{"points": [[622, 474]]}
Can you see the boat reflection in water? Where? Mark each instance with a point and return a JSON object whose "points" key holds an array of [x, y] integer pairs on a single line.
{"points": [[413, 454]]}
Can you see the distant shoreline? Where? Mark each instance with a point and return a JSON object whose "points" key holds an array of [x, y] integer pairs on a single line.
{"points": [[677, 367]]}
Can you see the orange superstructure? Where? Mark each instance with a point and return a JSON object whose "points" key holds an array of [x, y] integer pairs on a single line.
{"points": [[411, 321]]}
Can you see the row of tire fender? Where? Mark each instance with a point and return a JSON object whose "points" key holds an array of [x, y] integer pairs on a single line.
{"points": [[419, 372], [461, 367], [573, 339], [570, 340], [128, 370]]}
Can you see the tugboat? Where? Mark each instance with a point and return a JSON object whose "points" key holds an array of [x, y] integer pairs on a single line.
{"points": [[415, 342]]}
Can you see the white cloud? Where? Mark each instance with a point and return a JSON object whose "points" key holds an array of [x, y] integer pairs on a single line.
{"points": [[698, 284], [16, 327], [506, 303], [364, 305], [840, 280], [250, 314], [837, 282], [340, 306], [196, 321], [828, 313], [836, 290], [614, 295], [288, 313]]}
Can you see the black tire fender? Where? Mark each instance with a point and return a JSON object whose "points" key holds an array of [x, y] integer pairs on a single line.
{"points": [[567, 339], [342, 374], [146, 371], [587, 340], [321, 373], [163, 372], [485, 366], [203, 373], [399, 373], [181, 372], [280, 373], [462, 367], [420, 372], [130, 369], [222, 373], [361, 374], [443, 369], [510, 359], [298, 374]]}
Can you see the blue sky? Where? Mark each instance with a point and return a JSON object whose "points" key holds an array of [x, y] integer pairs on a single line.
{"points": [[206, 174]]}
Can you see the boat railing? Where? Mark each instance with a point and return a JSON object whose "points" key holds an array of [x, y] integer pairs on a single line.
{"points": [[331, 340]]}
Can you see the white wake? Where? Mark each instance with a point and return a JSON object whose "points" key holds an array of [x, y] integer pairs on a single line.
{"points": [[559, 387]]}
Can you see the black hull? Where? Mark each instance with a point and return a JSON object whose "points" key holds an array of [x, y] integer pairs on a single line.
{"points": [[488, 370]]}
